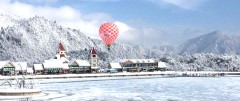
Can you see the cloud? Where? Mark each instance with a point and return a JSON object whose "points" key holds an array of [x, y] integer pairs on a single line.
{"points": [[127, 33], [191, 31], [64, 15], [87, 23], [184, 4], [101, 0], [38, 1], [140, 33]]}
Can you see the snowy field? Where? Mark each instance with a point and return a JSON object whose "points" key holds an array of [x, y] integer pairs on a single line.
{"points": [[169, 73], [138, 89]]}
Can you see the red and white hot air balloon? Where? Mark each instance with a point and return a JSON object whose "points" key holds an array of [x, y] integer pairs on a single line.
{"points": [[108, 32]]}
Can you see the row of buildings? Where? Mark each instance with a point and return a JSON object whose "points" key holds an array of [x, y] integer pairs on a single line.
{"points": [[60, 64], [138, 65]]}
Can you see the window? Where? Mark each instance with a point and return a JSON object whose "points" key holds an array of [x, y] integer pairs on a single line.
{"points": [[94, 65], [94, 56]]}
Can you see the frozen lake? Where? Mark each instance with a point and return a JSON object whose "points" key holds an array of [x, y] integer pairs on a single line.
{"points": [[139, 89]]}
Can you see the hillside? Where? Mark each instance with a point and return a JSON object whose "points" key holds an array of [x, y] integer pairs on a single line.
{"points": [[215, 42], [37, 38]]}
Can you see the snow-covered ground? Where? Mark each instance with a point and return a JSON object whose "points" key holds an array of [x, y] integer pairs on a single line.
{"points": [[108, 74], [98, 75]]}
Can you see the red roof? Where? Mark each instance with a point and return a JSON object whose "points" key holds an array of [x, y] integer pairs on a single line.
{"points": [[61, 47], [93, 51]]}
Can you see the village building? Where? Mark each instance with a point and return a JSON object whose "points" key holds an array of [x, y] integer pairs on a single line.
{"points": [[58, 64], [94, 61], [116, 66], [13, 68], [38, 69], [7, 68], [138, 65], [30, 70], [20, 67], [161, 66], [80, 66], [65, 68], [52, 66], [61, 54]]}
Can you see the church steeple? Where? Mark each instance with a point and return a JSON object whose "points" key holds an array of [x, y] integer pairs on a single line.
{"points": [[94, 60], [93, 51], [61, 48]]}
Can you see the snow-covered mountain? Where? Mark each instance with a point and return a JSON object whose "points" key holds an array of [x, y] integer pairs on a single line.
{"points": [[215, 42], [37, 38]]}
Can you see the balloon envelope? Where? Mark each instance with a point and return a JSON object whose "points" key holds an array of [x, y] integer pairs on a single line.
{"points": [[108, 32]]}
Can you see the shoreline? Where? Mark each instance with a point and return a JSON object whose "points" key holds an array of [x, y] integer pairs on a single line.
{"points": [[127, 74]]}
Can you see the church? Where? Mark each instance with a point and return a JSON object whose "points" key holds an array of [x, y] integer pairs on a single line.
{"points": [[60, 63]]}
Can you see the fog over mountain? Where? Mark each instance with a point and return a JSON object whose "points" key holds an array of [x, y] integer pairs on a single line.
{"points": [[215, 42]]}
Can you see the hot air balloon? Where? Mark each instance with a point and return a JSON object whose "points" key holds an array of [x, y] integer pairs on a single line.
{"points": [[108, 32]]}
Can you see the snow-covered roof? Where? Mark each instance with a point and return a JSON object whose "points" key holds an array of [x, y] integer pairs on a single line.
{"points": [[139, 60], [2, 63], [82, 62], [38, 66], [65, 66], [29, 70], [20, 65], [115, 65], [53, 61], [162, 64], [59, 57], [52, 64], [94, 67]]}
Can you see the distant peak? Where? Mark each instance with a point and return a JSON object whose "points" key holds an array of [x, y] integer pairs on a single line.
{"points": [[13, 16], [36, 17], [217, 32]]}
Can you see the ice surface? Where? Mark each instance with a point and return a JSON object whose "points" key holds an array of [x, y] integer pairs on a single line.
{"points": [[142, 89]]}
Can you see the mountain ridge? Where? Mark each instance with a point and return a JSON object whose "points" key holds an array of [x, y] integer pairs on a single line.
{"points": [[215, 42], [36, 39]]}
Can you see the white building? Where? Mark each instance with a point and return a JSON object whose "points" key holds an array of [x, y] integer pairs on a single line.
{"points": [[20, 67], [7, 68], [137, 65], [94, 60], [58, 64], [54, 66], [116, 66], [80, 66], [38, 68], [13, 68], [162, 66]]}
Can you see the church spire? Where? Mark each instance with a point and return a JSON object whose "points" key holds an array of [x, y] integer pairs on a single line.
{"points": [[61, 48], [93, 51]]}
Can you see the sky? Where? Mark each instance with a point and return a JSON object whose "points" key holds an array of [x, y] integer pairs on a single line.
{"points": [[144, 22]]}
